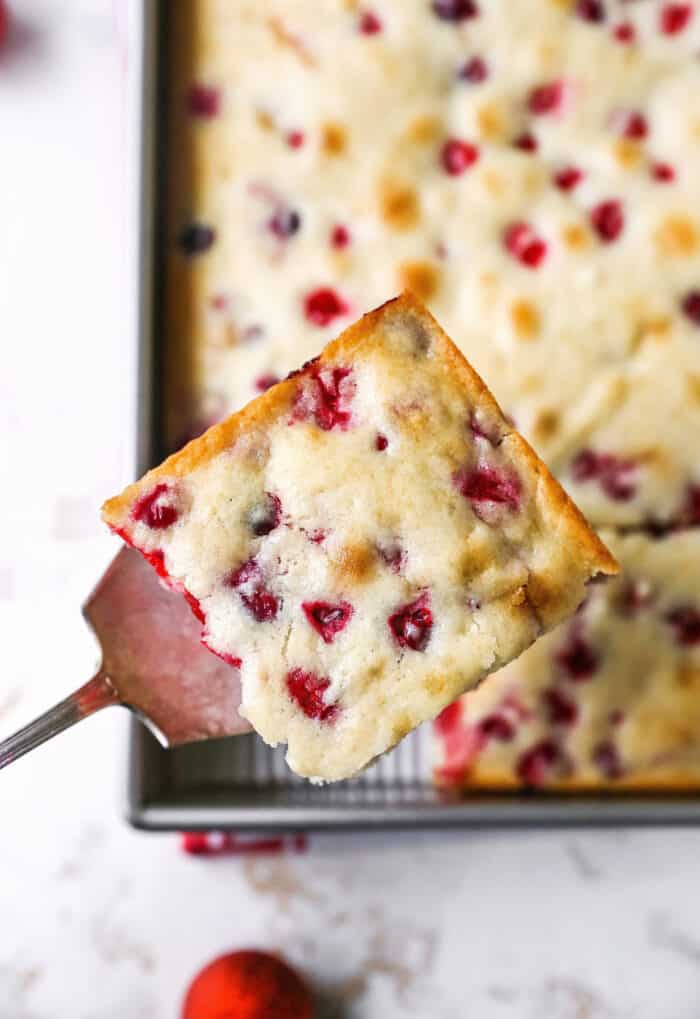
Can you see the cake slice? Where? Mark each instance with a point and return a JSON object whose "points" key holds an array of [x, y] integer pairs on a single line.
{"points": [[608, 699], [364, 541]]}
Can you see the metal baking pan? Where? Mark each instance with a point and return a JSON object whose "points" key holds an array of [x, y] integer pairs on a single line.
{"points": [[239, 783]]}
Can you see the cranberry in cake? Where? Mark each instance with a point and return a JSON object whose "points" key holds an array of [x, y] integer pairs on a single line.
{"points": [[364, 541], [610, 698]]}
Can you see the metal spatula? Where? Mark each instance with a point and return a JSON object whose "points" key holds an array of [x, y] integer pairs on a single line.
{"points": [[152, 663]]}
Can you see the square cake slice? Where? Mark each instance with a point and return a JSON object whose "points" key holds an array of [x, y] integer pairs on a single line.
{"points": [[365, 541], [608, 699]]}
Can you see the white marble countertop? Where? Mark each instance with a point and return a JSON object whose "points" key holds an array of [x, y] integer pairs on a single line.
{"points": [[99, 922]]}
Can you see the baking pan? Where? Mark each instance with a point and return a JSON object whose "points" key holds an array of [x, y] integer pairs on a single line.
{"points": [[239, 783]]}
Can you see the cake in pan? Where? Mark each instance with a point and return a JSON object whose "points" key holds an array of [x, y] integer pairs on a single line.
{"points": [[531, 170]]}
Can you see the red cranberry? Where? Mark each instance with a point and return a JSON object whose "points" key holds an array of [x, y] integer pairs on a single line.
{"points": [[381, 442], [685, 620], [325, 395], [265, 516], [195, 605], [615, 474], [633, 597], [535, 765], [307, 689], [448, 718], [690, 512], [625, 32], [674, 18], [607, 219], [196, 238], [630, 124], [663, 172], [546, 98], [523, 243], [457, 156], [526, 142], [219, 302], [474, 71], [265, 382], [327, 619], [393, 555], [295, 139], [577, 659], [340, 236], [561, 709], [323, 305], [248, 985], [412, 624], [155, 511], [591, 10], [691, 306], [223, 655], [487, 484], [455, 10], [157, 561], [461, 741], [248, 582], [568, 177], [203, 101], [284, 223], [497, 727], [370, 23], [606, 757]]}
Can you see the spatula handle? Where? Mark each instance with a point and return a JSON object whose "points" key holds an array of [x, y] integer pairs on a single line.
{"points": [[98, 693]]}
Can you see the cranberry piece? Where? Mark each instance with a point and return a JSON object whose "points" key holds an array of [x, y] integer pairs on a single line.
{"points": [[326, 618], [690, 513], [561, 709], [370, 23], [614, 473], [461, 741], [393, 555], [266, 515], [625, 32], [663, 172], [674, 18], [630, 124], [307, 689], [685, 620], [455, 10], [248, 582], [497, 727], [691, 306], [265, 382], [153, 510], [577, 659], [474, 71], [284, 223], [196, 238], [526, 142], [546, 98], [567, 178], [633, 597], [536, 764], [223, 655], [157, 561], [340, 236], [248, 985], [606, 757], [195, 605], [323, 305], [591, 10], [325, 395], [487, 484], [607, 219], [203, 101], [295, 139], [381, 442], [448, 718], [219, 302], [523, 243], [412, 624], [457, 156]]}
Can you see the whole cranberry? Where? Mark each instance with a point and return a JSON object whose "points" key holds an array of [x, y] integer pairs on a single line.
{"points": [[248, 985]]}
